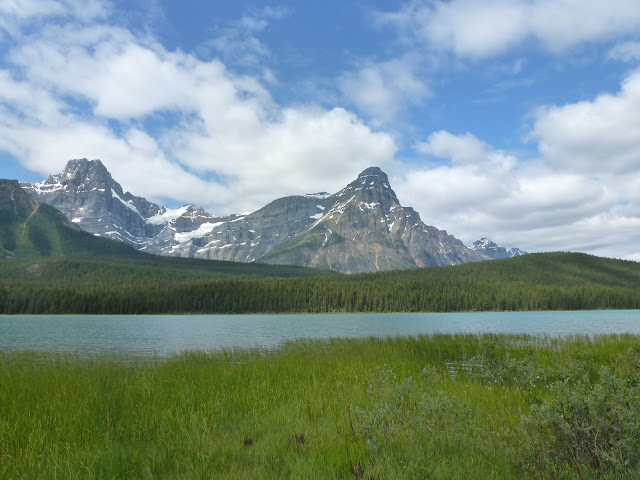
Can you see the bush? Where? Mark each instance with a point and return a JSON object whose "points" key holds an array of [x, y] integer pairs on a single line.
{"points": [[592, 426]]}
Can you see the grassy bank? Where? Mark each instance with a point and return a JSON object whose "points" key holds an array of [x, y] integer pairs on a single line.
{"points": [[442, 407]]}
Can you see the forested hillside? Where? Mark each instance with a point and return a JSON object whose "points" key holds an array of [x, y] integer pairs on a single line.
{"points": [[547, 281]]}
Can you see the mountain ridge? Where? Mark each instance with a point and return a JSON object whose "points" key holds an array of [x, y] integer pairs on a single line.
{"points": [[29, 228], [494, 251], [360, 228]]}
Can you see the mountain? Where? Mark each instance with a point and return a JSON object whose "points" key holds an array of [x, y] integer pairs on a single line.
{"points": [[29, 228], [62, 251], [361, 228], [88, 196], [486, 247]]}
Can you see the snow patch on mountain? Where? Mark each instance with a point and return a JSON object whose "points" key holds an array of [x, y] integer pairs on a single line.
{"points": [[493, 250], [126, 204], [318, 196], [201, 231], [168, 215]]}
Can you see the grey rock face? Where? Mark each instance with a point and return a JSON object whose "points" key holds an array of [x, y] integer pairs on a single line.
{"points": [[494, 251], [245, 238], [364, 228], [87, 195], [361, 228]]}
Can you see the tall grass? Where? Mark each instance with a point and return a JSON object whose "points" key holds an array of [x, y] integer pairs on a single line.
{"points": [[442, 406]]}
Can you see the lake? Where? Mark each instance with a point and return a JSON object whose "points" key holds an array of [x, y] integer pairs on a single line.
{"points": [[165, 334]]}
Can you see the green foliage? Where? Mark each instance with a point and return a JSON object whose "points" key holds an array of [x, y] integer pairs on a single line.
{"points": [[7, 233], [121, 280], [589, 424]]}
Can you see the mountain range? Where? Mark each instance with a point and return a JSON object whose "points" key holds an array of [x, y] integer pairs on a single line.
{"points": [[361, 228], [494, 251], [29, 228]]}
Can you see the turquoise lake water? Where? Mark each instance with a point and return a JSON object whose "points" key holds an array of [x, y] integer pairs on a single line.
{"points": [[166, 334]]}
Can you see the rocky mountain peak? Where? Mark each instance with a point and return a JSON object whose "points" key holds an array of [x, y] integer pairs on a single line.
{"points": [[484, 243], [361, 228], [374, 172], [82, 171], [371, 187], [492, 250]]}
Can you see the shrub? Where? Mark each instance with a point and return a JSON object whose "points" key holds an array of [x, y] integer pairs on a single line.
{"points": [[591, 426]]}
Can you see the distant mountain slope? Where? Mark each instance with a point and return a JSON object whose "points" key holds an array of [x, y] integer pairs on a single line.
{"points": [[486, 247], [364, 228], [29, 228], [361, 228], [88, 196]]}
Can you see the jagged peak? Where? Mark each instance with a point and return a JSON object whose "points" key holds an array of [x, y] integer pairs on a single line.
{"points": [[484, 242], [79, 170], [374, 172], [75, 162], [493, 250], [372, 185]]}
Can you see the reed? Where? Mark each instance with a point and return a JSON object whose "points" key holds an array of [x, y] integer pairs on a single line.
{"points": [[441, 406]]}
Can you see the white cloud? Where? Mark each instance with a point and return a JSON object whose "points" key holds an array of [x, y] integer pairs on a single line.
{"points": [[239, 44], [465, 149], [215, 124], [20, 9], [304, 151], [43, 137], [625, 52], [581, 194], [107, 66], [70, 89], [383, 89], [14, 12], [483, 191], [594, 137], [477, 29]]}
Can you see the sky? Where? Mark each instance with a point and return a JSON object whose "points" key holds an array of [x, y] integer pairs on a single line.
{"points": [[516, 120]]}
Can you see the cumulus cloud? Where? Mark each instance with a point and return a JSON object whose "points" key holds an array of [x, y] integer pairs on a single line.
{"points": [[71, 90], [465, 149], [598, 136], [382, 89], [473, 29], [482, 191], [581, 194]]}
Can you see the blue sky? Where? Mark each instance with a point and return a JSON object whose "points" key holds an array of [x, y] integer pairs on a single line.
{"points": [[513, 119]]}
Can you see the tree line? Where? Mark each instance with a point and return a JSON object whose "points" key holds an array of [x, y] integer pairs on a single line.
{"points": [[539, 282]]}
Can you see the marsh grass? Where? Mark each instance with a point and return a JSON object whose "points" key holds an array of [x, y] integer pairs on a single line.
{"points": [[442, 406]]}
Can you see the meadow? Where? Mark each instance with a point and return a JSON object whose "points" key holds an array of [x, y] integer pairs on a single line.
{"points": [[438, 407]]}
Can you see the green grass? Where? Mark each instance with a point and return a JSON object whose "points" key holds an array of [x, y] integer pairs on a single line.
{"points": [[442, 407]]}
